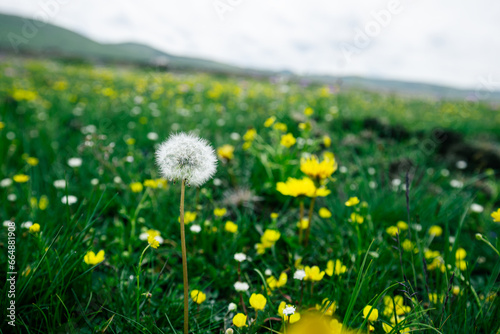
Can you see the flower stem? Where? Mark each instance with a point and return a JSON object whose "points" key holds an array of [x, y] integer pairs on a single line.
{"points": [[138, 280], [133, 221], [243, 304], [311, 210], [184, 261], [301, 216]]}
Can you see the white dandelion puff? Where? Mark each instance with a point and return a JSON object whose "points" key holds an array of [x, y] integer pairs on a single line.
{"points": [[186, 157], [70, 199]]}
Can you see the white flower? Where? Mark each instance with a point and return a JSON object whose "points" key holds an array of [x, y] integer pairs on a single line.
{"points": [[396, 182], [195, 228], [372, 184], [70, 199], [289, 310], [371, 171], [117, 179], [60, 184], [26, 224], [7, 223], [75, 162], [5, 183], [229, 331], [241, 286], [231, 307], [268, 272], [12, 197], [476, 207], [461, 164], [152, 136], [240, 257], [445, 172], [129, 158], [299, 274], [144, 236], [235, 136], [456, 184], [186, 157], [343, 169], [94, 182]]}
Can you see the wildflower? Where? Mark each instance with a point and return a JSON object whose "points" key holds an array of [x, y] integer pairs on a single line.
{"points": [[21, 178], [75, 162], [249, 136], [240, 257], [220, 212], [301, 187], [318, 170], [282, 280], [195, 228], [231, 307], [5, 183], [324, 213], [352, 201], [476, 208], [136, 187], [313, 274], [303, 224], [327, 141], [357, 218], [270, 121], [198, 296], [288, 140], [240, 320], [336, 326], [403, 226], [32, 161], [189, 217], [280, 127], [92, 259], [70, 199], [27, 224], [392, 230], [246, 145], [336, 268], [269, 238], [496, 216], [258, 301], [186, 157], [274, 215], [43, 203], [230, 227], [153, 184], [288, 311], [435, 298], [299, 274], [407, 245], [460, 254], [226, 152], [435, 230], [373, 313], [308, 111], [2, 125], [330, 307], [241, 286], [60, 184], [272, 282], [153, 242], [35, 228]]}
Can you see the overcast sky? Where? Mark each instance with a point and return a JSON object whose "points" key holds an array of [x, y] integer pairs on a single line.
{"points": [[452, 42]]}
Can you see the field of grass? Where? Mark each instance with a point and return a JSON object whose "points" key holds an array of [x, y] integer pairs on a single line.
{"points": [[78, 175]]}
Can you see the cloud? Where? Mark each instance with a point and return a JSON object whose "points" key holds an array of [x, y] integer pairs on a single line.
{"points": [[441, 42]]}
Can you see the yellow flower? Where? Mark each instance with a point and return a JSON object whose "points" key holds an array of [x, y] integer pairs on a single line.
{"points": [[435, 230], [246, 145], [293, 318], [282, 280], [328, 156], [250, 135], [271, 282], [240, 320], [301, 187], [408, 245], [336, 327], [258, 301], [435, 298], [330, 310], [403, 226], [287, 140], [161, 183], [496, 216], [130, 141], [304, 224], [352, 201], [189, 217], [26, 95], [357, 218], [324, 213], [32, 161], [373, 315], [21, 178], [198, 296], [33, 202], [43, 203], [336, 268], [308, 111], [280, 127], [318, 170], [2, 125], [93, 259], [35, 228], [460, 254], [270, 121], [392, 230], [269, 238], [153, 242], [313, 273], [274, 215], [226, 152], [260, 249], [151, 184], [136, 187], [231, 227], [220, 212], [327, 141]]}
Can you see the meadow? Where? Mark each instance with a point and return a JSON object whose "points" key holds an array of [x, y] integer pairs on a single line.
{"points": [[331, 210]]}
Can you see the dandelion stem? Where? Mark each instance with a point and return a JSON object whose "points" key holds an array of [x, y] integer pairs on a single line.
{"points": [[138, 281], [311, 210], [184, 261], [301, 216]]}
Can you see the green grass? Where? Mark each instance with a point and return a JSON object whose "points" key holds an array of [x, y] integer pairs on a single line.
{"points": [[57, 292]]}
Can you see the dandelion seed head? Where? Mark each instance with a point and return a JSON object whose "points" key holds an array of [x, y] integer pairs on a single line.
{"points": [[186, 157]]}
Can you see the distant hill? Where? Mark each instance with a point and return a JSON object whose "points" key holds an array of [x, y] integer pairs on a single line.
{"points": [[30, 37]]}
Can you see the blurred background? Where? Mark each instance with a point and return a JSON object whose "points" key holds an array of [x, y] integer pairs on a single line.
{"points": [[412, 47]]}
